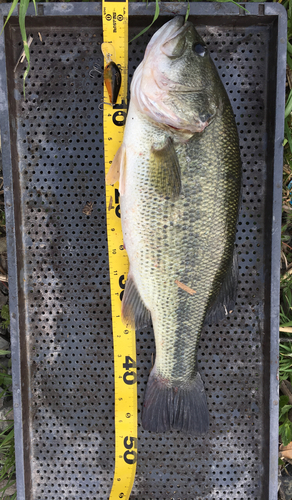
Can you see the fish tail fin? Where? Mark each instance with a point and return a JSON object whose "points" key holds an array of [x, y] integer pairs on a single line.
{"points": [[181, 407]]}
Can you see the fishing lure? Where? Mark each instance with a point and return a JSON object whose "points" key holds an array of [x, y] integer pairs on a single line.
{"points": [[112, 75]]}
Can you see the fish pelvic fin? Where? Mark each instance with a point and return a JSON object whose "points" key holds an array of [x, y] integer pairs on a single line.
{"points": [[165, 170], [134, 312], [168, 407], [117, 169]]}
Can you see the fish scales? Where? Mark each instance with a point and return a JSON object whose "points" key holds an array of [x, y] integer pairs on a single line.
{"points": [[179, 205], [183, 240]]}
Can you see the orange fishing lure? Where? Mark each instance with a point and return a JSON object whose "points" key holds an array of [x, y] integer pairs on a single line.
{"points": [[113, 79]]}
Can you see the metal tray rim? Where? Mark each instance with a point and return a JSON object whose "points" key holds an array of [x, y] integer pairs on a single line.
{"points": [[94, 9]]}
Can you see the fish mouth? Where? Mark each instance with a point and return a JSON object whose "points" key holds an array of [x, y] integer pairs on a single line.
{"points": [[166, 32], [170, 29]]}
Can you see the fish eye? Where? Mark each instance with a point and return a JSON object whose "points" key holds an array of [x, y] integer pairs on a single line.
{"points": [[200, 49]]}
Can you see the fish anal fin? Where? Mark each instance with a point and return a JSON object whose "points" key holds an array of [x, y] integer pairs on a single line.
{"points": [[165, 170], [134, 312], [224, 303], [117, 169]]}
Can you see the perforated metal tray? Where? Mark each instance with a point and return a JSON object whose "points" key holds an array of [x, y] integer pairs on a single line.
{"points": [[62, 355]]}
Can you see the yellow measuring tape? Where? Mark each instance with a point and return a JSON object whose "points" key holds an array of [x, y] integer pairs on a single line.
{"points": [[115, 37]]}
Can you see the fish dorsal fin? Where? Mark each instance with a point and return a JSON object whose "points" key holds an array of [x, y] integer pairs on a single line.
{"points": [[165, 170], [134, 312], [223, 304], [117, 169]]}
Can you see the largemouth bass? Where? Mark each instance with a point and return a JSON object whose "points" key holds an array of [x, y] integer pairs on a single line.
{"points": [[179, 173]]}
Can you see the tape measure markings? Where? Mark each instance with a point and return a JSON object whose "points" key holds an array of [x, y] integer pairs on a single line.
{"points": [[115, 32]]}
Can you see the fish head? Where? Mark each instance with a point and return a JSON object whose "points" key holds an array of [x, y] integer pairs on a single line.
{"points": [[177, 84]]}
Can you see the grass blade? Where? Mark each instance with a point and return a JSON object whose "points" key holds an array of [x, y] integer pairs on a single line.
{"points": [[288, 134], [157, 11], [10, 483], [288, 107], [35, 8], [8, 428], [8, 437], [5, 379], [282, 325], [22, 13], [188, 11], [14, 3]]}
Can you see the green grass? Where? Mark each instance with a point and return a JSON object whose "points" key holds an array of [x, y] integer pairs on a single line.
{"points": [[7, 450], [23, 6], [285, 427], [5, 316]]}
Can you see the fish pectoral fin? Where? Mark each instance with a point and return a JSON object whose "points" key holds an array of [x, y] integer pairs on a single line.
{"points": [[165, 170], [223, 304], [117, 169], [134, 312]]}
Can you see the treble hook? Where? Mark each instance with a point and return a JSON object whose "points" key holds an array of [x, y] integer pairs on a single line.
{"points": [[100, 106], [95, 68]]}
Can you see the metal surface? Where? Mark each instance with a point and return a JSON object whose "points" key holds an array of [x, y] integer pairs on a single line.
{"points": [[58, 265]]}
